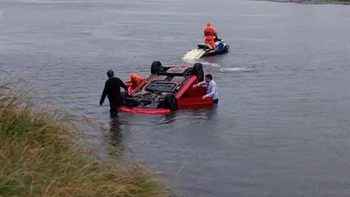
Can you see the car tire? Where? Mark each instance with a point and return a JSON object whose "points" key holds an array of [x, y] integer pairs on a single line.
{"points": [[197, 70], [170, 102], [156, 67]]}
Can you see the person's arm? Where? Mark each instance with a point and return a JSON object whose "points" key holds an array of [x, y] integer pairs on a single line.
{"points": [[199, 84], [104, 93], [122, 84], [128, 83], [213, 90], [215, 33]]}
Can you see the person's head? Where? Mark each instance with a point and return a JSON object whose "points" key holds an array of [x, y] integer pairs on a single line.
{"points": [[208, 78], [110, 73], [208, 24], [132, 75]]}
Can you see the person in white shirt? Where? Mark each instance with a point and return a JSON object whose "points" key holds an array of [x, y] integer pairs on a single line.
{"points": [[212, 89]]}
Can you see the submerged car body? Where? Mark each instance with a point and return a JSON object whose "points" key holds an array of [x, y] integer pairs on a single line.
{"points": [[167, 89]]}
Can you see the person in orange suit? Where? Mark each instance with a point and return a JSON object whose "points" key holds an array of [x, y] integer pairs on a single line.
{"points": [[210, 33], [135, 80]]}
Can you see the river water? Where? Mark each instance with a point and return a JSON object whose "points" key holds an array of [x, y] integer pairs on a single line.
{"points": [[282, 124]]}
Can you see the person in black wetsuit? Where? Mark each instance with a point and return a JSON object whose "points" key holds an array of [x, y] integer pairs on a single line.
{"points": [[112, 90]]}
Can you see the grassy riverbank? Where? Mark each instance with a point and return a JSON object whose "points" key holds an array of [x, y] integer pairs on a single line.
{"points": [[40, 155]]}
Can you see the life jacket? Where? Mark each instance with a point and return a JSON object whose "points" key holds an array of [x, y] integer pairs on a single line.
{"points": [[136, 82], [209, 31], [133, 83]]}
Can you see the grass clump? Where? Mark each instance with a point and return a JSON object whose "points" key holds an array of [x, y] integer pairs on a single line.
{"points": [[40, 156]]}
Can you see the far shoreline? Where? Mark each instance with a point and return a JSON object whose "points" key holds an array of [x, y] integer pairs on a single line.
{"points": [[310, 1]]}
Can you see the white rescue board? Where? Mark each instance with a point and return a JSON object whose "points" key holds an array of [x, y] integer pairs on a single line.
{"points": [[193, 54]]}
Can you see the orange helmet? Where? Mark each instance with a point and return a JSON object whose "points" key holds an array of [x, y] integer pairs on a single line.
{"points": [[132, 75], [208, 24]]}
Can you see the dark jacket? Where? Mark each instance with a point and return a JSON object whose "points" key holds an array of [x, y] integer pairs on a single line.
{"points": [[112, 90]]}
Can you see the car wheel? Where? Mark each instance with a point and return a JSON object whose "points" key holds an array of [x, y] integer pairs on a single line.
{"points": [[156, 67], [170, 102], [197, 70]]}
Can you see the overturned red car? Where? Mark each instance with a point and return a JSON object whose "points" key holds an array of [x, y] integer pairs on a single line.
{"points": [[167, 89]]}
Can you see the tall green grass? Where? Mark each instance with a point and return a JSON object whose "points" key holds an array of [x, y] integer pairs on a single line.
{"points": [[40, 155]]}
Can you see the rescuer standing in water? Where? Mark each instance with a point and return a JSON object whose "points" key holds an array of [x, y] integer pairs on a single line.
{"points": [[112, 90]]}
